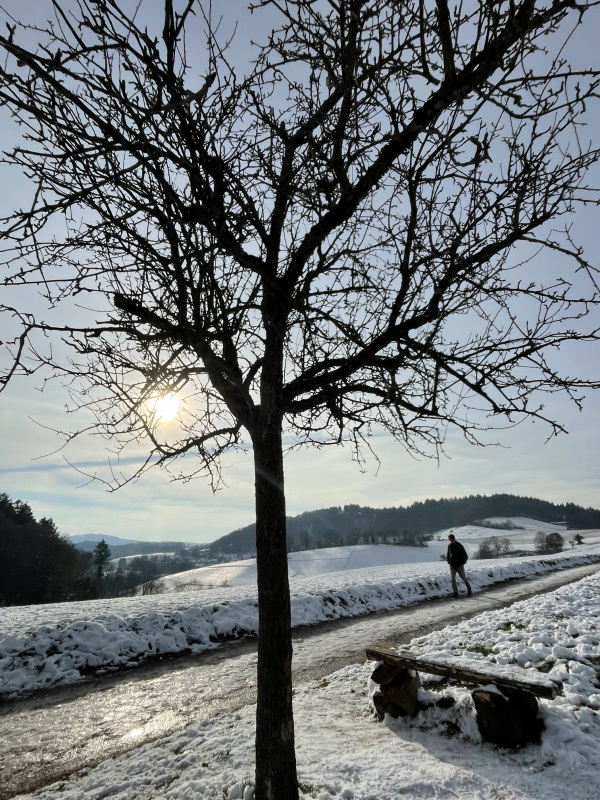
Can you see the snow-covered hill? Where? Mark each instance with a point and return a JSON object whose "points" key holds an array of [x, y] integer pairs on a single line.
{"points": [[310, 563]]}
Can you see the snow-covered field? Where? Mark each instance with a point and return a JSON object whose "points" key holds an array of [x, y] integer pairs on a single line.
{"points": [[46, 645], [310, 563], [345, 753]]}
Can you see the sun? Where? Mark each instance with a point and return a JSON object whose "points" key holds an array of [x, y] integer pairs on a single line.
{"points": [[165, 408]]}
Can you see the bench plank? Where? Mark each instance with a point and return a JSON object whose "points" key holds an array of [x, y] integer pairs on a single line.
{"points": [[480, 672]]}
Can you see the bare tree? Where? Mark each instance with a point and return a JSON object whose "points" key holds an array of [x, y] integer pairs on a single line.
{"points": [[503, 545], [539, 541], [341, 240], [485, 549], [493, 547], [153, 586]]}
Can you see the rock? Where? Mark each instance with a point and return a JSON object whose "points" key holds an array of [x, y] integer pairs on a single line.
{"points": [[381, 704], [508, 718], [385, 673], [399, 696]]}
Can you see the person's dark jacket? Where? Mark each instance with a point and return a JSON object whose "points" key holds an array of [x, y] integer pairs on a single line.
{"points": [[457, 555]]}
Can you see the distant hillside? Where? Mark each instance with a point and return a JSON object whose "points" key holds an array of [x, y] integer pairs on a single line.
{"points": [[119, 548], [146, 548], [336, 526], [93, 539]]}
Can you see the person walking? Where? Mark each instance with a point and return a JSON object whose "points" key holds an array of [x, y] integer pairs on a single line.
{"points": [[457, 558]]}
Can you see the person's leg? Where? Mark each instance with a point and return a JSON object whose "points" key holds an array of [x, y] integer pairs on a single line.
{"points": [[461, 572], [453, 578]]}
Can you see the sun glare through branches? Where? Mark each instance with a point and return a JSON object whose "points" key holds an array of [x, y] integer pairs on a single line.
{"points": [[164, 408]]}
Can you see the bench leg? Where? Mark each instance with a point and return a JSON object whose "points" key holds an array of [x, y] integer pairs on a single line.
{"points": [[397, 693], [507, 717]]}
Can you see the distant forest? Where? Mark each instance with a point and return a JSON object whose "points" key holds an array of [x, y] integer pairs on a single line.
{"points": [[134, 548], [411, 525], [40, 565]]}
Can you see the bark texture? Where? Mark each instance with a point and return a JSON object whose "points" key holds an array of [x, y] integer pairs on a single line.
{"points": [[275, 751]]}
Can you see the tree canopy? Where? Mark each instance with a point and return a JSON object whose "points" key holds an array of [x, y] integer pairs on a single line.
{"points": [[361, 189]]}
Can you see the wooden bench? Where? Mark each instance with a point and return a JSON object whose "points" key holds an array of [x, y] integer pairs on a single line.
{"points": [[506, 707]]}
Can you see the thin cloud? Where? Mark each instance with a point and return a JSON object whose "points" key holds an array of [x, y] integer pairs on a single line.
{"points": [[67, 466]]}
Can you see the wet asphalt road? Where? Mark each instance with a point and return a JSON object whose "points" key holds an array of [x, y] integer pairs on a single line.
{"points": [[51, 734]]}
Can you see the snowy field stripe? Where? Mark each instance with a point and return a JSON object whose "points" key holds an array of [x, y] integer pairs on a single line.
{"points": [[43, 646]]}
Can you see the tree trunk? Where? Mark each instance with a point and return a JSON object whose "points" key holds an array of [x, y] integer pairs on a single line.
{"points": [[275, 754]]}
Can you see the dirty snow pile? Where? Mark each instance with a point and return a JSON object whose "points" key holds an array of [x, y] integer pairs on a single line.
{"points": [[345, 753], [42, 646]]}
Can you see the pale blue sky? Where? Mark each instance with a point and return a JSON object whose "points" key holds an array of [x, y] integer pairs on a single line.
{"points": [[565, 469]]}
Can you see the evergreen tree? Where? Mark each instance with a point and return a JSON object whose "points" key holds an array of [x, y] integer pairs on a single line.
{"points": [[39, 564], [101, 558], [554, 542]]}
